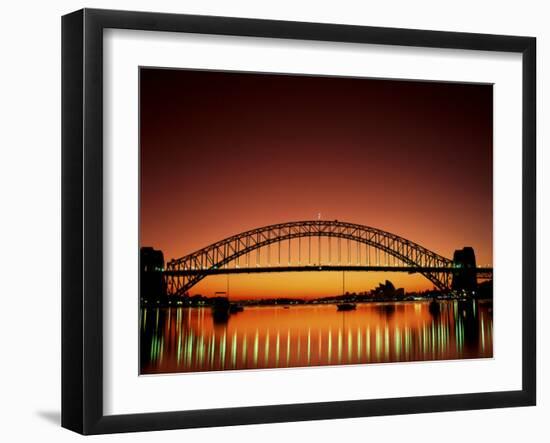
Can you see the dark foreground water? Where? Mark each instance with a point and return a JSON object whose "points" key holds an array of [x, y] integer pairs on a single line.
{"points": [[189, 340]]}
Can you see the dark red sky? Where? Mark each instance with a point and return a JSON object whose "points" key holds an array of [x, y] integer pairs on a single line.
{"points": [[225, 152]]}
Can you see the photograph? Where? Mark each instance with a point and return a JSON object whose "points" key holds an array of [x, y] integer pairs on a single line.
{"points": [[292, 220]]}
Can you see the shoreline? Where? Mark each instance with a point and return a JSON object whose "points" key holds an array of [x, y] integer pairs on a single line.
{"points": [[268, 303]]}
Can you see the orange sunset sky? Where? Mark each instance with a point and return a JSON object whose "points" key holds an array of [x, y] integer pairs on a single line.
{"points": [[225, 152]]}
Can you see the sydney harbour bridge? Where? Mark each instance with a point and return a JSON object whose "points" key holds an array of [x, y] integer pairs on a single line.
{"points": [[317, 246]]}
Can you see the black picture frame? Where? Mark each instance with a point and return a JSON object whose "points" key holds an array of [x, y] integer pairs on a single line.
{"points": [[82, 218]]}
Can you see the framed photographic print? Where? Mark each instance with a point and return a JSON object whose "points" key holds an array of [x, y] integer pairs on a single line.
{"points": [[269, 221]]}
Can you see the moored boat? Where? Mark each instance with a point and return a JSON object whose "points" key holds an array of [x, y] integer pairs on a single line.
{"points": [[346, 306], [234, 308]]}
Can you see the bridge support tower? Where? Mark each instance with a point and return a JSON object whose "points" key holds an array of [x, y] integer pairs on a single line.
{"points": [[151, 265], [465, 276]]}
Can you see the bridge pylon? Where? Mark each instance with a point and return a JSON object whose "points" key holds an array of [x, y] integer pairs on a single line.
{"points": [[465, 275]]}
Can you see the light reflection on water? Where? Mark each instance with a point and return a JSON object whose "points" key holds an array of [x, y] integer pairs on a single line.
{"points": [[189, 340]]}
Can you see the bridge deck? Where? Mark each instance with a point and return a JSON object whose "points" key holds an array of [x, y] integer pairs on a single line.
{"points": [[481, 271]]}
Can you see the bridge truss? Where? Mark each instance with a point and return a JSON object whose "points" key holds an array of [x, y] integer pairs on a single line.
{"points": [[288, 246]]}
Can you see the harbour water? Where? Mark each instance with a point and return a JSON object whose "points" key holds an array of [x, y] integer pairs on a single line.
{"points": [[191, 339]]}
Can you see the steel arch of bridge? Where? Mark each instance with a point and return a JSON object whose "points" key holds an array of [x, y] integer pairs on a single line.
{"points": [[217, 255]]}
